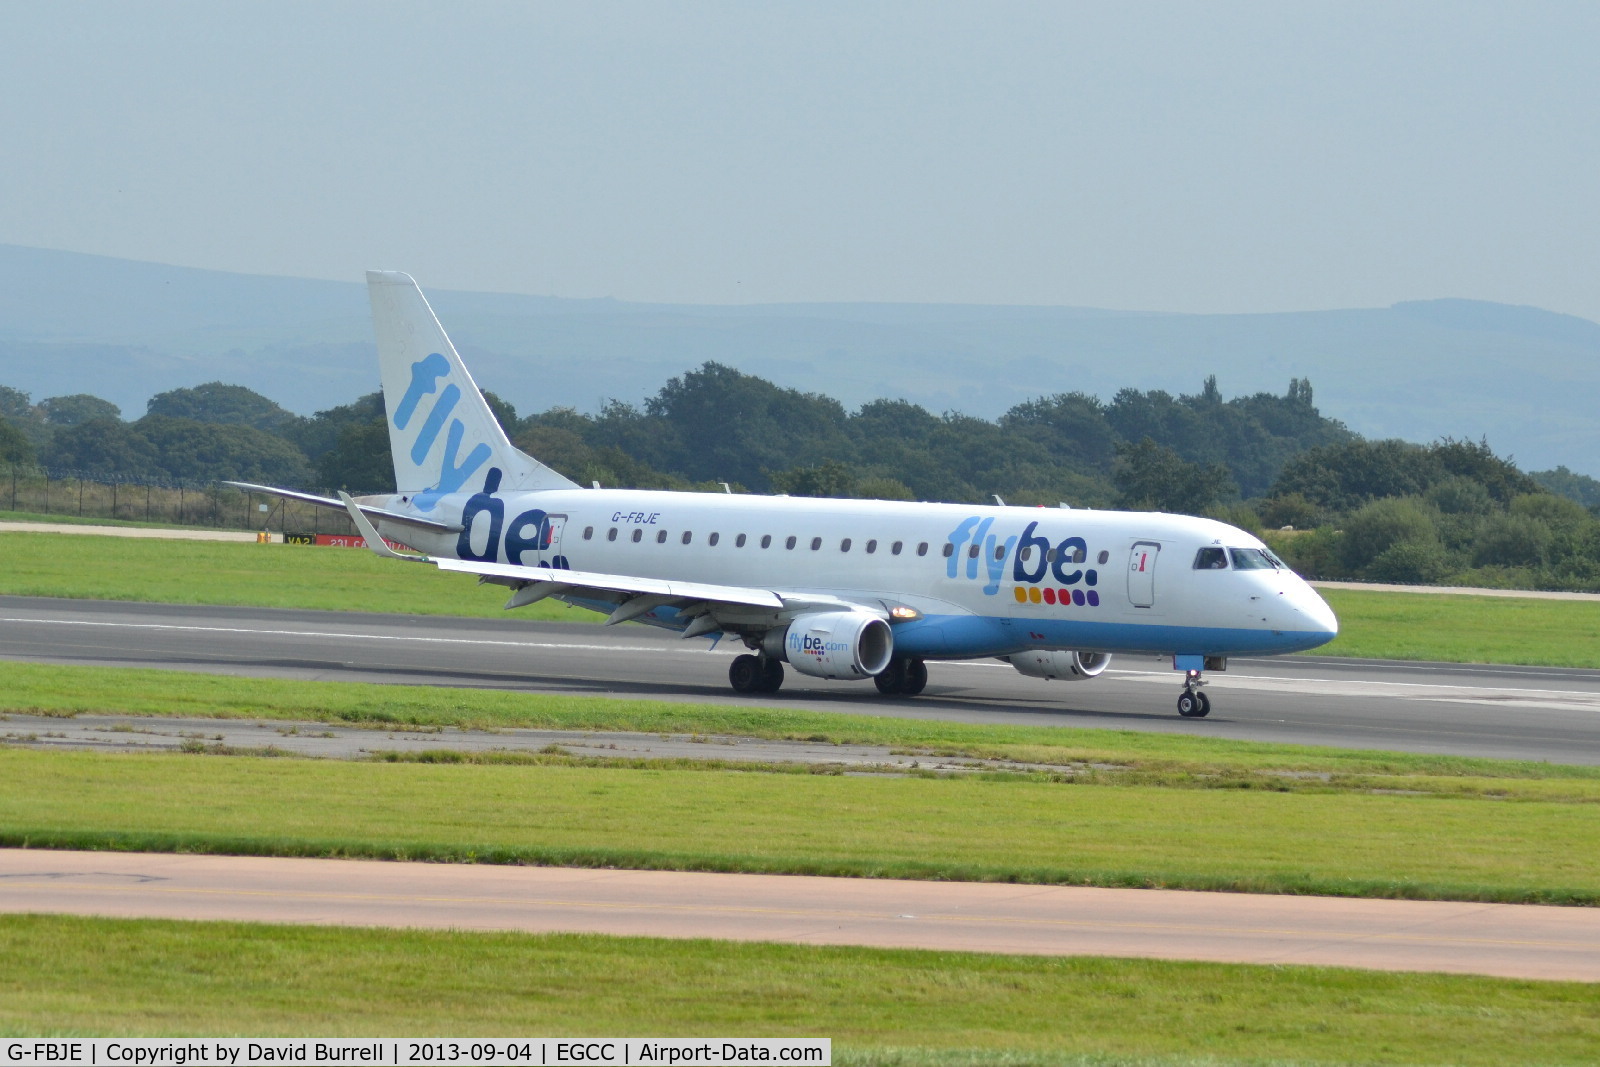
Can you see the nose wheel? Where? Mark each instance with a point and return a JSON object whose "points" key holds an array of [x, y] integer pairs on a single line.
{"points": [[1193, 704]]}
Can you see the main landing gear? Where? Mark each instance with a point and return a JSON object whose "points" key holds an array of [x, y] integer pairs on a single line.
{"points": [[902, 678], [755, 674], [1193, 704]]}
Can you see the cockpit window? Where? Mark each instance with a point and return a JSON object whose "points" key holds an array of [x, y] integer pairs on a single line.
{"points": [[1211, 559], [1253, 559]]}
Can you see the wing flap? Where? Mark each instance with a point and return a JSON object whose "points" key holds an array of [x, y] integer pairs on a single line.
{"points": [[619, 583]]}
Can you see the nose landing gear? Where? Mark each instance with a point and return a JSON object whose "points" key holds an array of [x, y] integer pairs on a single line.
{"points": [[1193, 704]]}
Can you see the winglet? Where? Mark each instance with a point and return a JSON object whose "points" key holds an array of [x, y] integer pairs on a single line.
{"points": [[371, 535]]}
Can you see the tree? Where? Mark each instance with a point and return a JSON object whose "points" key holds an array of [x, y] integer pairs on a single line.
{"points": [[360, 460], [190, 450], [105, 448], [77, 408], [829, 478], [1580, 487], [232, 405], [14, 444], [15, 403], [1151, 477], [1382, 524]]}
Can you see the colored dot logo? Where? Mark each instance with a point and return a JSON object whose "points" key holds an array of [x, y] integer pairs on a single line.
{"points": [[1059, 597]]}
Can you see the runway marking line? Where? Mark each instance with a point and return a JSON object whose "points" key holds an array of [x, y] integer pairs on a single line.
{"points": [[818, 913]]}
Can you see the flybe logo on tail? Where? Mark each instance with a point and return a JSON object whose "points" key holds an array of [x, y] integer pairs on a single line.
{"points": [[426, 374]]}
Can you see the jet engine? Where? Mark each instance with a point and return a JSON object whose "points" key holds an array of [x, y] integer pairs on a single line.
{"points": [[1065, 666], [833, 644]]}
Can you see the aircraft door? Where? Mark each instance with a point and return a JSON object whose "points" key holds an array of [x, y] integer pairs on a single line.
{"points": [[550, 543], [1142, 573]]}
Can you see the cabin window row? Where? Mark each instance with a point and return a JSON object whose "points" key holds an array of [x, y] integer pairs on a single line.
{"points": [[871, 546], [765, 541]]}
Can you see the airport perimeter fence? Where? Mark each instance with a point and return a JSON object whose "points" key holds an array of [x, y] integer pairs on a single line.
{"points": [[46, 491]]}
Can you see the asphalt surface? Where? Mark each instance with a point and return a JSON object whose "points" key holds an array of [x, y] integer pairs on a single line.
{"points": [[1511, 712], [1514, 941]]}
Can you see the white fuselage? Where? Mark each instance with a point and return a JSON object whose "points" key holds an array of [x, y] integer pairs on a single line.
{"points": [[985, 581]]}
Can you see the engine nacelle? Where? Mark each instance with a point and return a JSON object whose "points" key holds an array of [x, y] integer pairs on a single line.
{"points": [[833, 644], [1062, 666]]}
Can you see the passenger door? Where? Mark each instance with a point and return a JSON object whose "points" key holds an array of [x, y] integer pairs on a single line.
{"points": [[1142, 573]]}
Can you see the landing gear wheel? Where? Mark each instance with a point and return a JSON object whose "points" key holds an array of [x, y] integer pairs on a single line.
{"points": [[1194, 705], [745, 674], [916, 678], [1205, 705], [771, 679], [892, 679]]}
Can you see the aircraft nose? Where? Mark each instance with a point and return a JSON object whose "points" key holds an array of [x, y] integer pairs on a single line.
{"points": [[1318, 614]]}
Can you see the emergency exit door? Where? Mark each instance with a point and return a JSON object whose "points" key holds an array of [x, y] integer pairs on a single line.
{"points": [[1142, 574]]}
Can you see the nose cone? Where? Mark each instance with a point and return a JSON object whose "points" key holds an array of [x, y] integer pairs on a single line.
{"points": [[1319, 618]]}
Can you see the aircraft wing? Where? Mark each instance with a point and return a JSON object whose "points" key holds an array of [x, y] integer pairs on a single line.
{"points": [[635, 596], [329, 502]]}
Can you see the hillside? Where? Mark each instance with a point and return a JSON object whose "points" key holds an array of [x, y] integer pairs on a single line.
{"points": [[1521, 377]]}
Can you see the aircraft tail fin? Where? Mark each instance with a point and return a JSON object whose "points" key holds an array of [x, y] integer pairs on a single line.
{"points": [[444, 437]]}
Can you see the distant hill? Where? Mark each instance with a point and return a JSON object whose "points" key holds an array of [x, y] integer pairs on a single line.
{"points": [[124, 330]]}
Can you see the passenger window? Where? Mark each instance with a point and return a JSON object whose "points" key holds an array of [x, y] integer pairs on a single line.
{"points": [[1211, 559], [738, 542], [872, 546], [1026, 553], [1079, 555], [661, 537], [894, 549], [922, 549], [638, 534], [844, 546], [999, 551], [687, 537], [588, 533], [713, 539], [1050, 556], [789, 543], [611, 534], [972, 551], [949, 550], [816, 543], [1103, 557], [766, 540]]}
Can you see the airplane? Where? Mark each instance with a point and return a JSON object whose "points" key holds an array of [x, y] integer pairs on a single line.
{"points": [[837, 589]]}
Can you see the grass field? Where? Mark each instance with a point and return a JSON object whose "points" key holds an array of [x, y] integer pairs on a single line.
{"points": [[225, 572], [110, 977], [1010, 827], [1097, 754], [1464, 629]]}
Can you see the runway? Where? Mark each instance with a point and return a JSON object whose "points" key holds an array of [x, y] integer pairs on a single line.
{"points": [[1512, 941], [1510, 712]]}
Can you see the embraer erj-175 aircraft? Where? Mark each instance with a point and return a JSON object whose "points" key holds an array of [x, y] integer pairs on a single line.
{"points": [[844, 589]]}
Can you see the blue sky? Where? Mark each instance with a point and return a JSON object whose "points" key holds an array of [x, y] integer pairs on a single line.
{"points": [[1178, 157]]}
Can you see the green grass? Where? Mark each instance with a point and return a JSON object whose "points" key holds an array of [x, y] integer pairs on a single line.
{"points": [[1464, 629], [1003, 828], [226, 572], [1452, 628], [1105, 756], [117, 977]]}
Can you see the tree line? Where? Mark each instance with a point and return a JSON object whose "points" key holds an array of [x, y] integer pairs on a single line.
{"points": [[1334, 504]]}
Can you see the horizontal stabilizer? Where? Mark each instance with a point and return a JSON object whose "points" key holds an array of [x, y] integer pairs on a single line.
{"points": [[367, 509]]}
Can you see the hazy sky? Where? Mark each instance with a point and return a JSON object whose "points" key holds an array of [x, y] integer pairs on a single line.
{"points": [[1182, 157]]}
